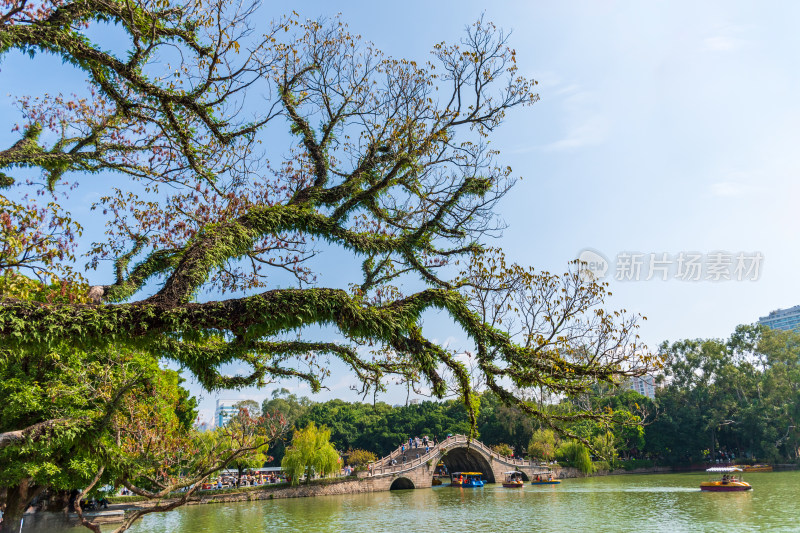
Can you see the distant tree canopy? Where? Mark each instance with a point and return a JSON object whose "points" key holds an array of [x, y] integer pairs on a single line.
{"points": [[738, 397], [380, 428]]}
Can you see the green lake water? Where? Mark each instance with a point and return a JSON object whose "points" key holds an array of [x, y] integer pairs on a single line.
{"points": [[670, 502]]}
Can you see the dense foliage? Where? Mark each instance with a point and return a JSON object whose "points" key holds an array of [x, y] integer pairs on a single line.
{"points": [[78, 420], [380, 428], [229, 150], [733, 399]]}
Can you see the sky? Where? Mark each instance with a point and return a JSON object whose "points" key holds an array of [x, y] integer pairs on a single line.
{"points": [[663, 128]]}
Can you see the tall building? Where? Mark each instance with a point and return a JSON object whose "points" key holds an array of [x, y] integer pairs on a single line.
{"points": [[785, 319], [225, 410], [644, 385]]}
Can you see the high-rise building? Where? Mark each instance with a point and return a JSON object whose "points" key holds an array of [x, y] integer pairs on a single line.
{"points": [[785, 319], [644, 385], [225, 410]]}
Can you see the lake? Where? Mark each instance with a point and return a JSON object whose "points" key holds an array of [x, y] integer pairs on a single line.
{"points": [[667, 502]]}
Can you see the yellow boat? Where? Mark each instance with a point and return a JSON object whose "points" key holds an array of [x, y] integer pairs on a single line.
{"points": [[544, 479], [731, 480], [757, 468]]}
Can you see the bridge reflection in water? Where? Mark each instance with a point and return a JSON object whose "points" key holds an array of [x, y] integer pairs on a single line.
{"points": [[414, 468]]}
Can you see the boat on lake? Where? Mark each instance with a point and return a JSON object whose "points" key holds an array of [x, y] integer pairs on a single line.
{"points": [[513, 480], [466, 479], [731, 480], [544, 479], [757, 468]]}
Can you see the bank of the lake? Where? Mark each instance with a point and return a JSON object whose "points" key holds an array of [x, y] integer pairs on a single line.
{"points": [[642, 503]]}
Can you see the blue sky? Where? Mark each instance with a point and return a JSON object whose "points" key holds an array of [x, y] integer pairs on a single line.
{"points": [[663, 127]]}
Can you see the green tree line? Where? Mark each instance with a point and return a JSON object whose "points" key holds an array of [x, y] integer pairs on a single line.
{"points": [[729, 399], [380, 427], [733, 400]]}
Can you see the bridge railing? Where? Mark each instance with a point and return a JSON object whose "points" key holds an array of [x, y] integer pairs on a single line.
{"points": [[384, 466], [395, 454], [387, 459]]}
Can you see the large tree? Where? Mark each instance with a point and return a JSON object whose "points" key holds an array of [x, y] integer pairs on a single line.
{"points": [[76, 420], [385, 159]]}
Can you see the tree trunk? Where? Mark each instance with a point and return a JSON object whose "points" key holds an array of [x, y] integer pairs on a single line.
{"points": [[57, 501], [17, 500], [713, 443]]}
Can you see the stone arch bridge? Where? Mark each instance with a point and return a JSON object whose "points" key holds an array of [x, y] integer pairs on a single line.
{"points": [[414, 468]]}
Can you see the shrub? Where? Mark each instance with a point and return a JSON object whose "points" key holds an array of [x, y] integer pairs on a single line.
{"points": [[633, 464], [360, 458], [503, 449], [602, 465]]}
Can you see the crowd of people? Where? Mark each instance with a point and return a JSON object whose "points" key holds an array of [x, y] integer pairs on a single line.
{"points": [[415, 446], [253, 479]]}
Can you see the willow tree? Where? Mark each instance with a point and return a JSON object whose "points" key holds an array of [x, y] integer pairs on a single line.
{"points": [[385, 159], [311, 453]]}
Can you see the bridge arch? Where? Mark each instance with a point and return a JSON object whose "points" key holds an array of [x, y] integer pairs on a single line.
{"points": [[464, 459], [459, 453], [402, 483]]}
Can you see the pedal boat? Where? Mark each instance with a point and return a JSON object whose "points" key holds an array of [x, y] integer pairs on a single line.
{"points": [[473, 479], [466, 479], [544, 479], [731, 480], [513, 480]]}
